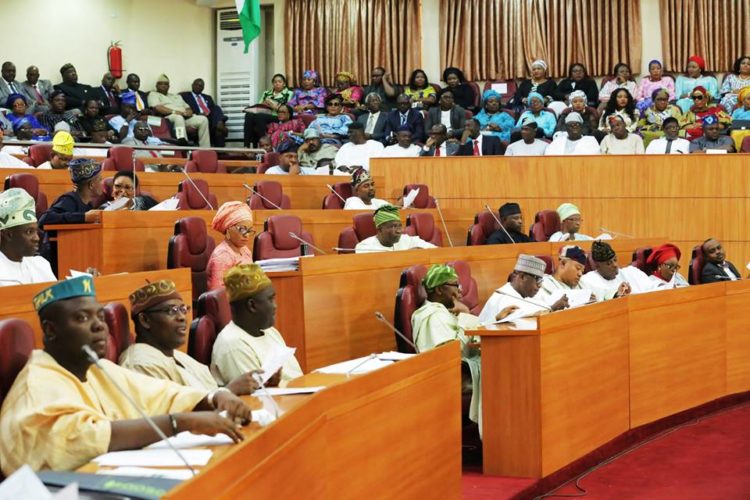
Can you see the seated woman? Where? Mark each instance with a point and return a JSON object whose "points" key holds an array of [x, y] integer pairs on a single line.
{"points": [[234, 220], [703, 107], [652, 122], [577, 80], [621, 104], [333, 126], [350, 93], [734, 82], [259, 116], [650, 84], [161, 328], [423, 95], [92, 115], [578, 103], [125, 184], [57, 113], [538, 83], [623, 79], [693, 78], [463, 93], [310, 98], [364, 192], [742, 113], [288, 127], [664, 263], [544, 119], [492, 120], [18, 107]]}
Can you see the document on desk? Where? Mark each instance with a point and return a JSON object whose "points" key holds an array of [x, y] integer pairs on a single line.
{"points": [[576, 298], [275, 361], [394, 356], [154, 458], [356, 366], [287, 391], [187, 439], [177, 474], [409, 198]]}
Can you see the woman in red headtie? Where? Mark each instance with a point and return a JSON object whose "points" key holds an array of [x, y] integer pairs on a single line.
{"points": [[234, 220], [693, 78], [702, 107], [665, 263]]}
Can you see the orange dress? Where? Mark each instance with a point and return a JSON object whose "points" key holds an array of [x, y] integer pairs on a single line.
{"points": [[222, 258]]}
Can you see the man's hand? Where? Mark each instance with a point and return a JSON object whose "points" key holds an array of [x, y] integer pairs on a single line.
{"points": [[275, 380], [207, 422], [245, 383], [92, 216], [505, 312], [236, 409], [460, 307], [187, 113], [430, 142], [623, 289], [561, 304], [465, 136]]}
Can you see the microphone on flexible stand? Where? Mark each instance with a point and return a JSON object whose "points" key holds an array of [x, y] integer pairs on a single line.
{"points": [[605, 230], [307, 243], [94, 358], [381, 318], [274, 205], [364, 361], [334, 192], [445, 228], [190, 180], [487, 207], [274, 406]]}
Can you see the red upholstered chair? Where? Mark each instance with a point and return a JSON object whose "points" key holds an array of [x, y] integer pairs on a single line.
{"points": [[275, 242], [205, 161], [363, 226], [423, 199], [484, 225], [546, 223], [550, 264], [306, 118], [640, 256], [191, 246], [30, 184], [469, 288], [697, 261], [118, 321], [271, 191], [333, 202], [212, 314], [38, 154], [193, 196], [410, 297], [121, 158], [423, 225], [745, 148], [269, 160], [16, 344], [477, 95], [162, 130]]}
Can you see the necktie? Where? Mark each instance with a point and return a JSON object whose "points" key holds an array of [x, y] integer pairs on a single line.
{"points": [[13, 87], [403, 119], [110, 98], [39, 96], [437, 151], [669, 146], [370, 124], [202, 104], [138, 102], [476, 148]]}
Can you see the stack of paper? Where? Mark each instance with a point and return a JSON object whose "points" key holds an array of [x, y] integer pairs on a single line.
{"points": [[409, 198], [357, 366], [285, 264], [168, 204]]}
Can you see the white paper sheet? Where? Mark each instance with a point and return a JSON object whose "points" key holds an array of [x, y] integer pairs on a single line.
{"points": [[77, 274], [177, 474], [118, 204], [168, 204], [394, 356], [748, 266], [263, 417], [187, 439], [23, 484], [500, 88], [409, 198], [154, 458], [288, 391], [274, 362], [350, 367], [576, 298]]}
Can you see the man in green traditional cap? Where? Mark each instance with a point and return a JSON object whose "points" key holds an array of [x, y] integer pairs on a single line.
{"points": [[389, 237]]}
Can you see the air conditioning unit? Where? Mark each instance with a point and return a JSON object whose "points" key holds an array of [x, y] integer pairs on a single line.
{"points": [[236, 72]]}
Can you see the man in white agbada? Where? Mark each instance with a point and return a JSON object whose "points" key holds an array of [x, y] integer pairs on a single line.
{"points": [[359, 150], [566, 278], [573, 142], [364, 192], [608, 280], [404, 147], [665, 262], [570, 224], [519, 292], [19, 241], [433, 324], [389, 237]]}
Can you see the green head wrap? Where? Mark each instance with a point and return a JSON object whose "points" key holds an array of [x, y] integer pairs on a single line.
{"points": [[439, 274], [386, 213]]}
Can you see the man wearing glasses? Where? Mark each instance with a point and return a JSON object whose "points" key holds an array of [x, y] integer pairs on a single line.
{"points": [[570, 224]]}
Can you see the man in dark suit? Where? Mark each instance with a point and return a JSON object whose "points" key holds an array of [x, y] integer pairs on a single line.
{"points": [[204, 104], [448, 110], [108, 95], [141, 98], [716, 268], [438, 143], [404, 114], [473, 143], [511, 219], [76, 94], [9, 85], [374, 119], [38, 90]]}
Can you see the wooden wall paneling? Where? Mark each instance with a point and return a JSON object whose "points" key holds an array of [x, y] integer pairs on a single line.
{"points": [[738, 336]]}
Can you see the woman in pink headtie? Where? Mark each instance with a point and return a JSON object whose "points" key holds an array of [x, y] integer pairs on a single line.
{"points": [[234, 220]]}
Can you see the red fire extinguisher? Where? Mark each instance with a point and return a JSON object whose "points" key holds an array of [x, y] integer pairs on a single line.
{"points": [[114, 59]]}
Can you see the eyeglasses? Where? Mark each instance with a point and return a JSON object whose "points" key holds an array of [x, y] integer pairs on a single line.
{"points": [[334, 104], [457, 285], [244, 231], [696, 97], [171, 311], [672, 267], [124, 187], [538, 280]]}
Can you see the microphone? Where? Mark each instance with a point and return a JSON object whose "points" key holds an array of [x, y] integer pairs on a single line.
{"points": [[368, 358], [184, 172], [305, 242], [381, 318], [445, 228], [334, 192], [500, 292], [487, 207], [94, 358], [274, 205], [605, 230]]}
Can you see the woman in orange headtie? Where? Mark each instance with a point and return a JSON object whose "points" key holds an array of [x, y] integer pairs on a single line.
{"points": [[665, 264], [234, 220]]}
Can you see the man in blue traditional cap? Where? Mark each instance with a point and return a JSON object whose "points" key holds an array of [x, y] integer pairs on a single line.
{"points": [[76, 206], [712, 138]]}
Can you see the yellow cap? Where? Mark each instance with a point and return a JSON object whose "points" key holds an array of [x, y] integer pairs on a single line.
{"points": [[63, 143]]}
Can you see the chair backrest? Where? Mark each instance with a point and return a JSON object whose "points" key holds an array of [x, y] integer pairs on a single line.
{"points": [[333, 202], [469, 288], [410, 297], [546, 223], [509, 93], [697, 261], [193, 196], [477, 95], [640, 256], [484, 225], [120, 158], [212, 314], [39, 153], [275, 241], [269, 160], [549, 264], [363, 226], [191, 246], [271, 191], [30, 184], [160, 131], [423, 225], [423, 199], [16, 344], [745, 147], [205, 161], [118, 321]]}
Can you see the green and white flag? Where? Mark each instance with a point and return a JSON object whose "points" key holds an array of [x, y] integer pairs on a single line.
{"points": [[249, 12]]}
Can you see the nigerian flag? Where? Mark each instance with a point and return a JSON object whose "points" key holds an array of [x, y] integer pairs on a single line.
{"points": [[249, 11]]}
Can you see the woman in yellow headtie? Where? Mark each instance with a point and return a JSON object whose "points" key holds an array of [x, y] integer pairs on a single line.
{"points": [[350, 92]]}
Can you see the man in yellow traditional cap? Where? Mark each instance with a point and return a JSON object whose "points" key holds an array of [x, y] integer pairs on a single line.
{"points": [[62, 151], [176, 110], [389, 237], [250, 338]]}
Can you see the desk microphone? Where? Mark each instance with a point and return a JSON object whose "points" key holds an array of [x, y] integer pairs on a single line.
{"points": [[605, 230], [445, 228], [500, 292], [274, 205], [354, 250], [94, 358], [381, 318], [190, 180], [330, 188], [487, 207], [364, 361], [305, 242]]}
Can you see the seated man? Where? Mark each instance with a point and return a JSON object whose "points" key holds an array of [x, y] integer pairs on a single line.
{"points": [[250, 338], [204, 104], [474, 143], [19, 241], [161, 327], [433, 324], [665, 262], [126, 120], [717, 268], [359, 150], [567, 276], [529, 145], [438, 144], [712, 138], [61, 411], [175, 109], [313, 150], [75, 207], [9, 85], [76, 93], [619, 141], [671, 143], [374, 119], [57, 116], [38, 90], [62, 152], [518, 292], [573, 142], [570, 224], [364, 192], [133, 82], [404, 147], [389, 237], [288, 162], [108, 95], [511, 231], [608, 281], [142, 137], [405, 116]]}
